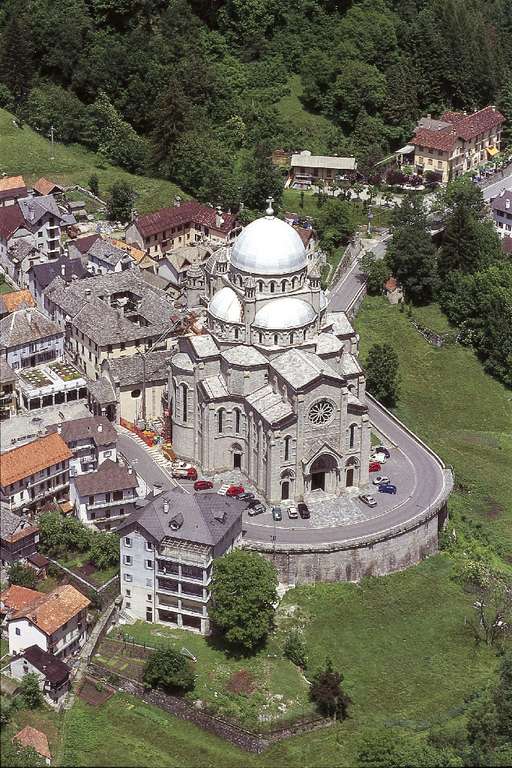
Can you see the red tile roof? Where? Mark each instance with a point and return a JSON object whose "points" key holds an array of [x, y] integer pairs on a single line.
{"points": [[188, 212], [31, 737], [14, 300], [11, 218], [46, 187], [15, 598], [465, 127], [32, 457], [304, 234], [12, 186], [391, 284], [49, 612]]}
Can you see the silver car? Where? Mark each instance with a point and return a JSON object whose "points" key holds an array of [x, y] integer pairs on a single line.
{"points": [[368, 500]]}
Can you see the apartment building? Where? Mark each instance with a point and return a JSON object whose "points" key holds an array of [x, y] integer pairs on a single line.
{"points": [[456, 143], [501, 211], [167, 549], [185, 223], [109, 316], [29, 338], [104, 498], [91, 441], [37, 219], [34, 473], [56, 622]]}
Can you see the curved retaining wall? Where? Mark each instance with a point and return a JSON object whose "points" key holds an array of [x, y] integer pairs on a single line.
{"points": [[375, 555]]}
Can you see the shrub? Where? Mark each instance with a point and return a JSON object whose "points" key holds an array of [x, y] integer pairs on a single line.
{"points": [[22, 575], [167, 668], [30, 692], [295, 649]]}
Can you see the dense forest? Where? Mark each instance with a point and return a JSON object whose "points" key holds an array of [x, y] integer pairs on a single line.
{"points": [[188, 89]]}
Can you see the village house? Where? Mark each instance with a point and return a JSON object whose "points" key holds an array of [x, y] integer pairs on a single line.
{"points": [[26, 426], [36, 740], [40, 276], [175, 266], [307, 169], [52, 673], [111, 315], [56, 622], [103, 257], [139, 257], [35, 472], [454, 144], [167, 549], [122, 382], [44, 187], [19, 536], [501, 211], [79, 246], [91, 441], [18, 259], [8, 403], [28, 338], [185, 223], [104, 498], [11, 189], [37, 219]]}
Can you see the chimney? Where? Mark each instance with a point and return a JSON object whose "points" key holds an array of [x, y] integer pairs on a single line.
{"points": [[63, 270], [88, 292], [429, 116], [219, 221], [28, 315], [507, 204], [177, 201], [100, 427], [166, 507], [59, 429], [130, 471]]}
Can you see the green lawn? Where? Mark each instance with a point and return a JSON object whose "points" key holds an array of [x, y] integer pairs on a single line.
{"points": [[4, 285], [278, 691], [44, 719], [23, 151], [463, 413]]}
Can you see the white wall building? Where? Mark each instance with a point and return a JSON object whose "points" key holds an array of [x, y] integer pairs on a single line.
{"points": [[104, 498]]}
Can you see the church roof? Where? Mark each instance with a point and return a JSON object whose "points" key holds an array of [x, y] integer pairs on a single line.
{"points": [[284, 313], [204, 346], [215, 387], [300, 368], [328, 342], [243, 355], [269, 404], [225, 305], [268, 246]]}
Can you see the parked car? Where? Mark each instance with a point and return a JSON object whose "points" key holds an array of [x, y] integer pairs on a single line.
{"points": [[203, 485], [246, 496], [381, 480], [382, 449], [258, 509], [253, 503], [235, 490], [181, 465], [387, 488], [380, 457], [184, 473], [375, 466], [368, 500], [277, 514], [303, 510], [293, 513]]}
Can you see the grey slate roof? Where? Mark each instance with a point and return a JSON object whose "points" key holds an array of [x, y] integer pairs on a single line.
{"points": [[106, 251], [204, 346], [25, 326], [9, 522], [129, 369], [6, 372], [34, 208], [299, 368], [243, 355], [269, 404], [83, 429], [499, 202], [20, 248], [49, 270], [101, 390], [206, 517], [108, 477]]}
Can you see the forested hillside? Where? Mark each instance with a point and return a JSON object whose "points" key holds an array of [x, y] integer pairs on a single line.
{"points": [[191, 90]]}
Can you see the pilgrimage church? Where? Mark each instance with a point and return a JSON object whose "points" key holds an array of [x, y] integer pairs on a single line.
{"points": [[274, 389]]}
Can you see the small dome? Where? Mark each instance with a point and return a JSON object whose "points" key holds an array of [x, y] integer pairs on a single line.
{"points": [[225, 305], [284, 313], [268, 246]]}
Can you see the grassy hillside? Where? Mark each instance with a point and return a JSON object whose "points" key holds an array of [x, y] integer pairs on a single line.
{"points": [[310, 128], [24, 151], [464, 414]]}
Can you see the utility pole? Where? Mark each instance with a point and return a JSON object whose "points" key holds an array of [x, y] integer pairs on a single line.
{"points": [[51, 139]]}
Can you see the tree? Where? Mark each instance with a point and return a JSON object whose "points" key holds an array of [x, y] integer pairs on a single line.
{"points": [[167, 668], [104, 550], [335, 223], [22, 575], [51, 105], [391, 748], [16, 756], [359, 86], [52, 535], [77, 536], [377, 273], [116, 139], [243, 598], [295, 649], [120, 201], [411, 254], [17, 65], [94, 184], [382, 373], [30, 692], [327, 693], [260, 180]]}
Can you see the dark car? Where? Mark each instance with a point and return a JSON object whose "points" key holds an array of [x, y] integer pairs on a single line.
{"points": [[277, 514], [382, 449], [203, 485], [303, 510], [258, 509], [246, 496], [387, 488]]}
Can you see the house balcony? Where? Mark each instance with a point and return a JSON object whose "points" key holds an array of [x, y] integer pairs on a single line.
{"points": [[176, 589], [46, 478], [111, 503]]}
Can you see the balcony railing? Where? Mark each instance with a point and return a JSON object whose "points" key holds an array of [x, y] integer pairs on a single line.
{"points": [[111, 503]]}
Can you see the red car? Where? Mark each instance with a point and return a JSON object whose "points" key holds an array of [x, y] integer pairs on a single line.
{"points": [[203, 485], [235, 490], [375, 466]]}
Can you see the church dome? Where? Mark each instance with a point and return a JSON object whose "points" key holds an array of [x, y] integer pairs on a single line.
{"points": [[225, 305], [284, 313], [268, 246]]}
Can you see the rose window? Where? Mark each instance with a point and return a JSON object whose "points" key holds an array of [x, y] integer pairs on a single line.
{"points": [[321, 412]]}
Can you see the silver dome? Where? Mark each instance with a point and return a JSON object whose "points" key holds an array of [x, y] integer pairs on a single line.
{"points": [[268, 246], [284, 313], [225, 305]]}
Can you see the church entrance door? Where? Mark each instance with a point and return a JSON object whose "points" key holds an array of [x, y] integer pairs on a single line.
{"points": [[324, 473], [285, 490], [318, 481], [237, 461], [350, 478]]}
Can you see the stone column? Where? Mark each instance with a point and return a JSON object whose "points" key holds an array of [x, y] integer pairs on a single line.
{"points": [[299, 447]]}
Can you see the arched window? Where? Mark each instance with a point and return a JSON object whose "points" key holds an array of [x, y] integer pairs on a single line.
{"points": [[238, 420], [283, 286], [184, 402], [260, 337], [287, 444], [272, 287], [352, 435], [236, 333], [293, 283], [292, 338], [276, 339], [220, 421], [260, 286], [305, 331]]}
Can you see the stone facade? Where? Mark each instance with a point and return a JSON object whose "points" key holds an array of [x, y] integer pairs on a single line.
{"points": [[275, 389]]}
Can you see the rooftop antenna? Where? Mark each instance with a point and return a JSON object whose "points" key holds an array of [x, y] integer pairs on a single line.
{"points": [[270, 210]]}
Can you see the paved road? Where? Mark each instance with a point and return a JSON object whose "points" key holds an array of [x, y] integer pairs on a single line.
{"points": [[344, 292], [495, 187]]}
